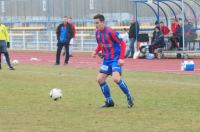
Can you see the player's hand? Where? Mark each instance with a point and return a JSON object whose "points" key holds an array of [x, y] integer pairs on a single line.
{"points": [[121, 62], [94, 54]]}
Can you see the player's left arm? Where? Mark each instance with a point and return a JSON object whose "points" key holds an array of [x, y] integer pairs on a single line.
{"points": [[117, 39], [122, 53]]}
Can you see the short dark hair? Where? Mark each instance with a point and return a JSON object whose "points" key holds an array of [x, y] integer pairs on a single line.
{"points": [[161, 22], [157, 28], [156, 22], [100, 17]]}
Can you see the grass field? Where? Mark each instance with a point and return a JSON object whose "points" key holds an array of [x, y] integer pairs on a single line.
{"points": [[164, 102]]}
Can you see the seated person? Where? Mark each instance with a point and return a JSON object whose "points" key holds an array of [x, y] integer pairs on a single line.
{"points": [[164, 29], [177, 38], [166, 32], [190, 34], [157, 41]]}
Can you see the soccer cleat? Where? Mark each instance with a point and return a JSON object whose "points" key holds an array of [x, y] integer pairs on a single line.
{"points": [[106, 105], [130, 101], [11, 68]]}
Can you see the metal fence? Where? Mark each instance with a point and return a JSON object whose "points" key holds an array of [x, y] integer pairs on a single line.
{"points": [[46, 40]]}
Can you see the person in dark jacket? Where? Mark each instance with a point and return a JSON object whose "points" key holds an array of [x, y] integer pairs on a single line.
{"points": [[157, 41], [133, 32], [64, 34]]}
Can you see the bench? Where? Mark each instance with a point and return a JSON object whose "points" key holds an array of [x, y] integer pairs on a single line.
{"points": [[194, 42]]}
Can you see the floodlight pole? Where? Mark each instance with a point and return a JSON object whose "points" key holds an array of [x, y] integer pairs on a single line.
{"points": [[183, 23], [48, 11], [158, 5], [136, 22]]}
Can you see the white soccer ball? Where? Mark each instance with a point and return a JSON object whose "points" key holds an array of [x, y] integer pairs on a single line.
{"points": [[15, 62], [56, 94]]}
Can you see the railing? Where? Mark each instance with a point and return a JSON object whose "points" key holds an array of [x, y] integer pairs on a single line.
{"points": [[46, 40]]}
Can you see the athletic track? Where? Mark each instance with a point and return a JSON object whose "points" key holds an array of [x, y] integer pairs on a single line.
{"points": [[84, 60]]}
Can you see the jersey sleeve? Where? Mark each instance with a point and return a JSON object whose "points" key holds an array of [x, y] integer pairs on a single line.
{"points": [[123, 49], [98, 48], [115, 36]]}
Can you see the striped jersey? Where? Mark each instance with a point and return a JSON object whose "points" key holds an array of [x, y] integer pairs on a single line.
{"points": [[109, 42]]}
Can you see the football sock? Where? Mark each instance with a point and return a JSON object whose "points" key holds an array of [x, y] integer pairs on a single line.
{"points": [[106, 91], [123, 87]]}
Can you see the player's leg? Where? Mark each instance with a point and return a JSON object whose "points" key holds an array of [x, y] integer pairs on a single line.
{"points": [[117, 79], [116, 76], [101, 78], [105, 70]]}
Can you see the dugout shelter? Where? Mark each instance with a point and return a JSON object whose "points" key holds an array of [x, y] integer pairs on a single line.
{"points": [[168, 10]]}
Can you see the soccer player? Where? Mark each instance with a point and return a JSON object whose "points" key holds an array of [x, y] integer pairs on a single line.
{"points": [[113, 48], [4, 44]]}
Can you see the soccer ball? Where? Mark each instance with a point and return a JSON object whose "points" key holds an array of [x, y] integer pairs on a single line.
{"points": [[15, 62], [56, 94]]}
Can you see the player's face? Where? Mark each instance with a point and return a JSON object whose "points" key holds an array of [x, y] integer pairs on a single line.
{"points": [[65, 20], [70, 20], [99, 25]]}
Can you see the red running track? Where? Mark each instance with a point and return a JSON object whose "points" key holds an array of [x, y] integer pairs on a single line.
{"points": [[84, 60]]}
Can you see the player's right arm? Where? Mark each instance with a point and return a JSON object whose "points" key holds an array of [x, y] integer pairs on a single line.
{"points": [[98, 48]]}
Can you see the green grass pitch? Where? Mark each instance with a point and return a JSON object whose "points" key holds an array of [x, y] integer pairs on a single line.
{"points": [[164, 102]]}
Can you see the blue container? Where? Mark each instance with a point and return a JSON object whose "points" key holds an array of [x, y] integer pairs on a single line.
{"points": [[189, 67]]}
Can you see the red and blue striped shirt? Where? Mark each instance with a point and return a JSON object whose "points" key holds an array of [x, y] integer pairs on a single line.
{"points": [[110, 43]]}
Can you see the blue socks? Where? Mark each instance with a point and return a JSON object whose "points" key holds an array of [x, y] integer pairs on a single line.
{"points": [[106, 92], [123, 87]]}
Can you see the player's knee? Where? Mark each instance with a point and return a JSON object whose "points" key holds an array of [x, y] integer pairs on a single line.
{"points": [[100, 80], [115, 79]]}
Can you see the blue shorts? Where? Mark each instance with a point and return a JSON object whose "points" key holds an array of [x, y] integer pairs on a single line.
{"points": [[109, 66], [3, 46]]}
